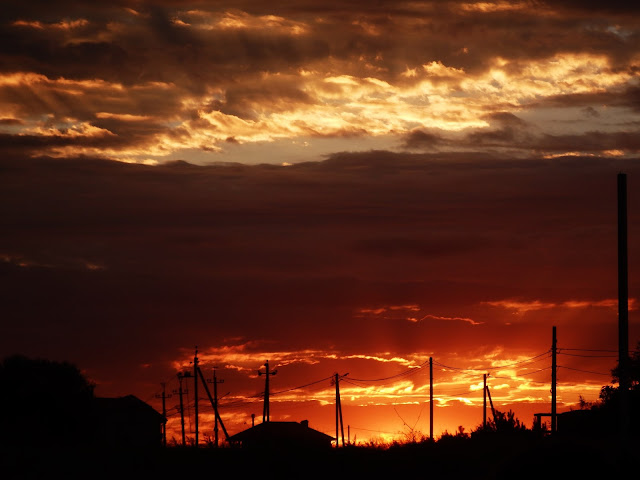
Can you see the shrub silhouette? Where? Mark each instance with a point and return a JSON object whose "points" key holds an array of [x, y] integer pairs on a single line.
{"points": [[504, 424]]}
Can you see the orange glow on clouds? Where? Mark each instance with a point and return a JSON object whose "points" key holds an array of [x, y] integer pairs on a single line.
{"points": [[438, 96], [516, 382], [339, 187], [523, 307]]}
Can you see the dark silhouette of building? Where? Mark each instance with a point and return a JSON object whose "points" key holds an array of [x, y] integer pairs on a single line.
{"points": [[125, 422], [282, 435], [49, 403], [602, 418]]}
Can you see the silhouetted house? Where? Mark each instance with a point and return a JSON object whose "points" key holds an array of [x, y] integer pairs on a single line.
{"points": [[125, 422], [282, 435], [584, 422]]}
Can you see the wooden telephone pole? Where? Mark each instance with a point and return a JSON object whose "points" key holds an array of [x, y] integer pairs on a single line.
{"points": [[195, 391], [339, 422], [484, 403], [493, 410], [180, 392], [214, 404], [554, 381], [164, 396], [265, 411], [215, 382], [431, 398]]}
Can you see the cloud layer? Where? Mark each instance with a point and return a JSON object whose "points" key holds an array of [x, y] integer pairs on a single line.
{"points": [[155, 81]]}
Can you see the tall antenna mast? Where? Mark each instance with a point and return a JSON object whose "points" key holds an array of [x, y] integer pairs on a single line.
{"points": [[623, 305]]}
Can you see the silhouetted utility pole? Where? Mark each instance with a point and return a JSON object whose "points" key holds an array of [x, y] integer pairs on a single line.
{"points": [[493, 410], [336, 379], [554, 353], [180, 392], [431, 398], [623, 306], [195, 391], [164, 396], [484, 409], [265, 411], [214, 404], [215, 382]]}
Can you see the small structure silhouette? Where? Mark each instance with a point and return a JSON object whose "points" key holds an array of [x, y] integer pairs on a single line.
{"points": [[125, 422], [286, 435]]}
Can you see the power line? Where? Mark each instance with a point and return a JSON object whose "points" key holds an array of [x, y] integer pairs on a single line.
{"points": [[523, 374], [411, 371], [584, 371], [301, 386], [528, 360], [588, 350], [587, 356], [374, 431]]}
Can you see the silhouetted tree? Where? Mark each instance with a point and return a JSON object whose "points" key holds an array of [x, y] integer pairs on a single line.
{"points": [[609, 394], [504, 423], [633, 369], [603, 413], [42, 401]]}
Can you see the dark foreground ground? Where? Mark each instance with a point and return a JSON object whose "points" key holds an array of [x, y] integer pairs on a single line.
{"points": [[455, 458]]}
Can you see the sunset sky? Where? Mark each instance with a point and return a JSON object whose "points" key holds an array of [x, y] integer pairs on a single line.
{"points": [[337, 186]]}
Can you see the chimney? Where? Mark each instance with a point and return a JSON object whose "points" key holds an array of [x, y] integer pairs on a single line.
{"points": [[305, 423]]}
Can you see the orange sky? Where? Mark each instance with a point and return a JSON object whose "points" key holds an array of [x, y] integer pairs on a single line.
{"points": [[351, 187]]}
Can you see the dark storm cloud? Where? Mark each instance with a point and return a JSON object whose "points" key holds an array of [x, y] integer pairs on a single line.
{"points": [[628, 97], [40, 97], [615, 6], [505, 129], [511, 130], [151, 46], [132, 48], [505, 119], [10, 121], [591, 141], [421, 139], [272, 94], [14, 144]]}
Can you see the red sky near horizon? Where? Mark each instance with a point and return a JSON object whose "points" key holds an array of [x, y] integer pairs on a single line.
{"points": [[349, 188]]}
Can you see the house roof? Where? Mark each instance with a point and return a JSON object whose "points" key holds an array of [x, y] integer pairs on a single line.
{"points": [[129, 404], [287, 431]]}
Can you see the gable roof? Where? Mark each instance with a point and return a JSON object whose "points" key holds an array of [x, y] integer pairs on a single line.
{"points": [[128, 405], [286, 432]]}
